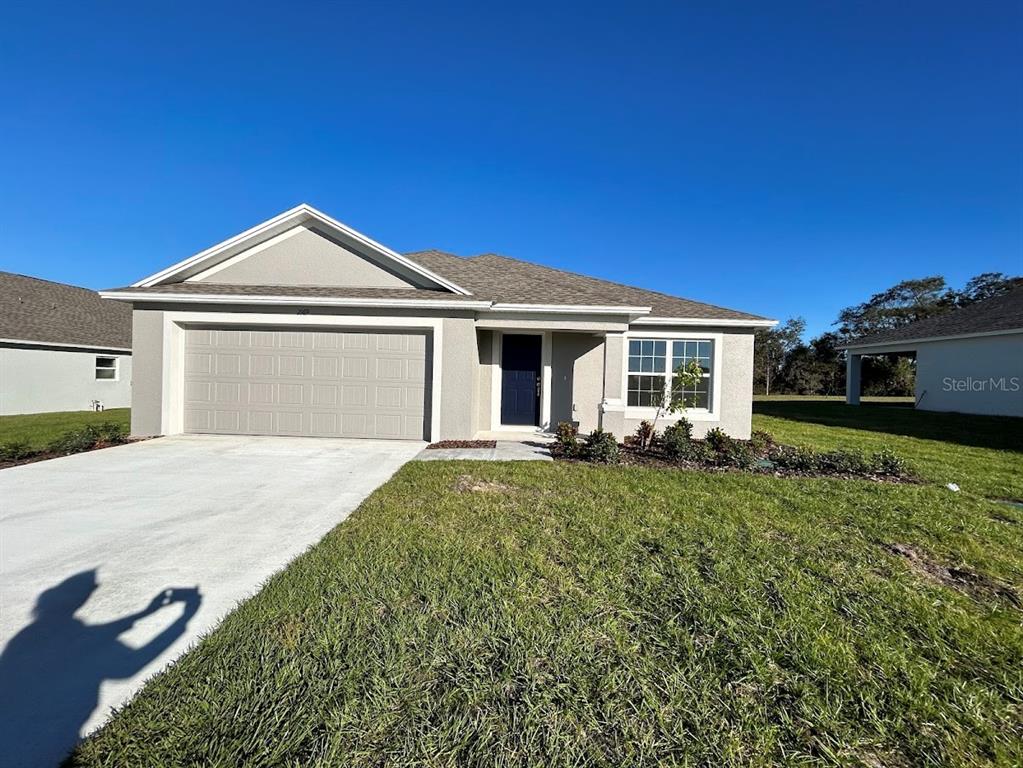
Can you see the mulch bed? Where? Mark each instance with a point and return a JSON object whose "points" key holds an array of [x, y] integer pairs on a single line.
{"points": [[463, 444], [632, 456], [46, 455]]}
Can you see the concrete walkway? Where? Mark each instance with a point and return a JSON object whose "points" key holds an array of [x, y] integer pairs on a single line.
{"points": [[112, 563], [506, 450]]}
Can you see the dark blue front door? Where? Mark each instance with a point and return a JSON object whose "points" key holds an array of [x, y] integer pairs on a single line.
{"points": [[520, 379]]}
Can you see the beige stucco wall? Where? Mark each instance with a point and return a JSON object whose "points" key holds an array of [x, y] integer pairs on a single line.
{"points": [[577, 385], [586, 368], [39, 380], [147, 381], [733, 411], [485, 379], [982, 375], [306, 258]]}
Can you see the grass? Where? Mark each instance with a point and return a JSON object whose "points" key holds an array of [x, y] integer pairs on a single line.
{"points": [[982, 454], [41, 429], [572, 615]]}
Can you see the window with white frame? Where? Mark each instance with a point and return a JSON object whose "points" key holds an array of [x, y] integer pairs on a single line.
{"points": [[652, 366], [106, 368]]}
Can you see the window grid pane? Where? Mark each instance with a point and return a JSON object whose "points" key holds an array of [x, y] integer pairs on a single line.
{"points": [[647, 356], [646, 391]]}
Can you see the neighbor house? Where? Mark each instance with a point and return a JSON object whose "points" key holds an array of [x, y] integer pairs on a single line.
{"points": [[969, 360], [62, 348], [303, 326]]}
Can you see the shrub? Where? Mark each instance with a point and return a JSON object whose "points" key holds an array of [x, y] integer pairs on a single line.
{"points": [[696, 451], [16, 450], [842, 463], [645, 434], [718, 440], [798, 459], [111, 433], [737, 453], [761, 442], [601, 447], [885, 462], [566, 440], [677, 438], [76, 440]]}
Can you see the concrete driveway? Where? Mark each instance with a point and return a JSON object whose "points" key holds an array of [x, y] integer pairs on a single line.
{"points": [[91, 544]]}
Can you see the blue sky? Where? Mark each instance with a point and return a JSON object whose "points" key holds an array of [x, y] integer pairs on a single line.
{"points": [[782, 158]]}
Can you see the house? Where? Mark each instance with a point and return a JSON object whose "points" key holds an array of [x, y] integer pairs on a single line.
{"points": [[969, 360], [62, 348], [303, 326]]}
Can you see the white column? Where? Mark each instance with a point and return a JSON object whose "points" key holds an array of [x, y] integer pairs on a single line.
{"points": [[852, 378]]}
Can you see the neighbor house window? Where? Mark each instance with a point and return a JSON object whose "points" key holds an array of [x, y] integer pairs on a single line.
{"points": [[652, 363], [106, 367]]}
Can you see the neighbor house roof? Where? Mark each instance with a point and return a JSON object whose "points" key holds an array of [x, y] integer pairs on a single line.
{"points": [[1001, 314], [44, 312]]}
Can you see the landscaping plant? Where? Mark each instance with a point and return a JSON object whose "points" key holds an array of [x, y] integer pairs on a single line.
{"points": [[566, 440], [685, 377], [677, 438], [601, 447]]}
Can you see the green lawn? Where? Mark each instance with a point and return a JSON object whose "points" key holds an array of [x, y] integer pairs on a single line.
{"points": [[566, 614], [982, 454], [40, 429]]}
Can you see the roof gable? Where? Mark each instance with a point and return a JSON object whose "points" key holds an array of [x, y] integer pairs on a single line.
{"points": [[306, 255], [298, 216]]}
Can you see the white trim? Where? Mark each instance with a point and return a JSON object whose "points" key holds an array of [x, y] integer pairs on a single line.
{"points": [[84, 347], [596, 309], [297, 215], [326, 301], [705, 321], [693, 414], [928, 339], [174, 351], [546, 379], [243, 255]]}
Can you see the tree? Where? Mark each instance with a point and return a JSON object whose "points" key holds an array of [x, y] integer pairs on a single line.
{"points": [[686, 377], [984, 286], [770, 348], [903, 303]]}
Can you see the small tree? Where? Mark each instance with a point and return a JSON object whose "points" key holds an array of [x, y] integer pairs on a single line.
{"points": [[685, 377]]}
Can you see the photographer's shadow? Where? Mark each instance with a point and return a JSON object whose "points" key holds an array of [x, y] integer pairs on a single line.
{"points": [[51, 671]]}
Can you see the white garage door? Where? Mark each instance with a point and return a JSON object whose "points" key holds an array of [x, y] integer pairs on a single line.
{"points": [[317, 383]]}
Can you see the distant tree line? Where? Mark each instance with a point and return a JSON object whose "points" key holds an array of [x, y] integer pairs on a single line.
{"points": [[785, 364]]}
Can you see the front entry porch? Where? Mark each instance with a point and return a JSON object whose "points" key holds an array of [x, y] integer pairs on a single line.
{"points": [[532, 379]]}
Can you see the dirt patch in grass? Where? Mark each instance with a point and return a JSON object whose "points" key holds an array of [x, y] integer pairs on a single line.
{"points": [[470, 484], [463, 444], [970, 582]]}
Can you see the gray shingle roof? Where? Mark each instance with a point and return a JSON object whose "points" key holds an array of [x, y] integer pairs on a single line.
{"points": [[312, 291], [500, 278], [1002, 313], [489, 277], [54, 313]]}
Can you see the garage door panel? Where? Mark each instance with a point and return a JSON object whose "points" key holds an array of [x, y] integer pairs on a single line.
{"points": [[352, 384], [326, 367]]}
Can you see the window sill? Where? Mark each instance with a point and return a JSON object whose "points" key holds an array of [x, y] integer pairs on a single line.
{"points": [[639, 412]]}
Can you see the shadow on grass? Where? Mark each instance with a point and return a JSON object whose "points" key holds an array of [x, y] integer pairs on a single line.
{"points": [[998, 432], [51, 671]]}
